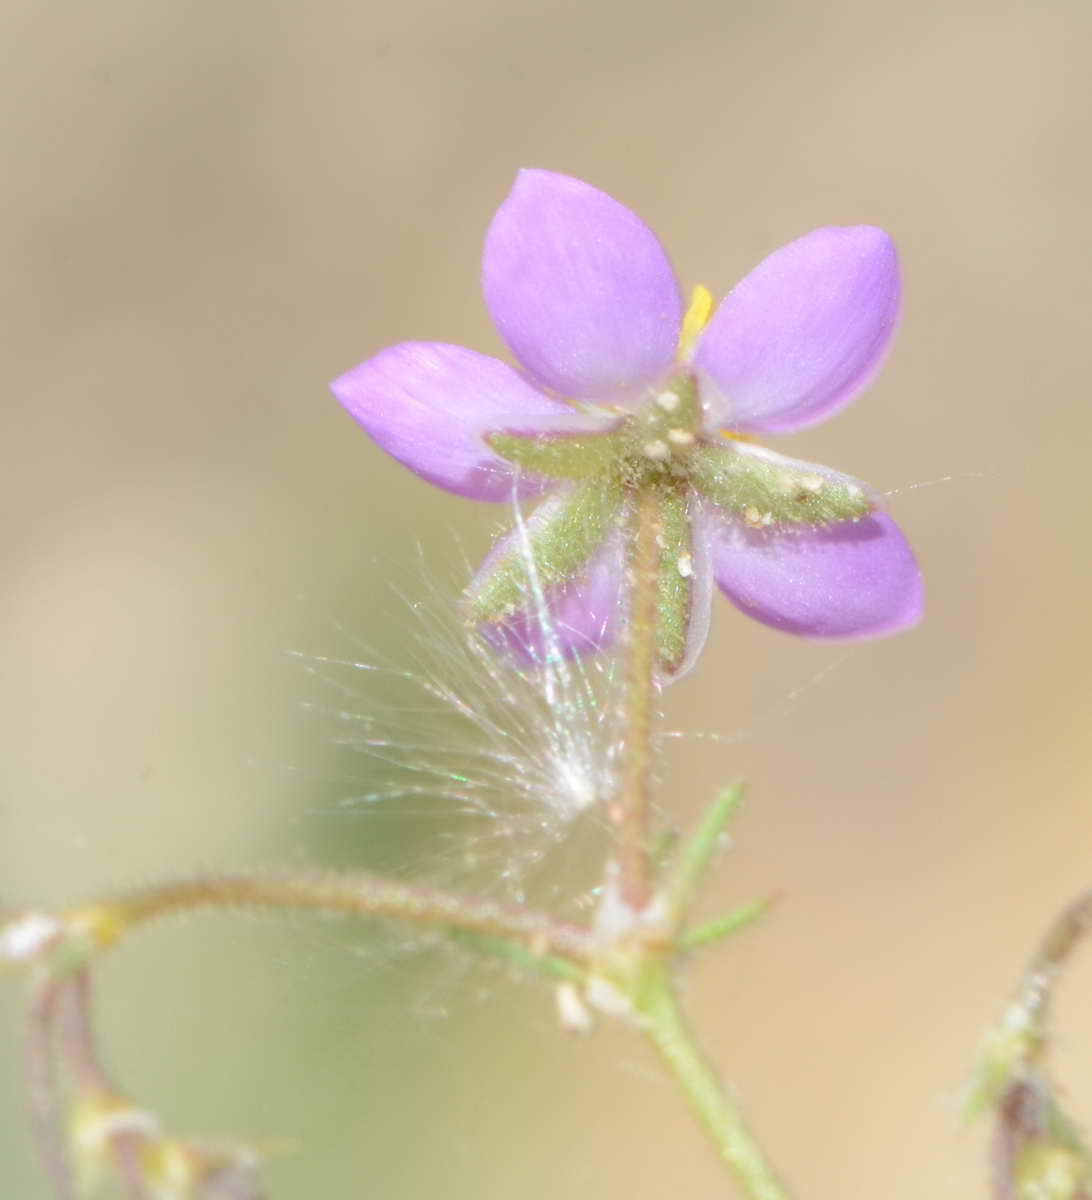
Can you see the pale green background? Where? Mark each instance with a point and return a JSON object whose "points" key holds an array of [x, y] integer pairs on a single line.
{"points": [[209, 209]]}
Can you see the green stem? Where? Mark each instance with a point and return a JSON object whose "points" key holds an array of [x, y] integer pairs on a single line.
{"points": [[355, 893], [633, 802], [718, 1114]]}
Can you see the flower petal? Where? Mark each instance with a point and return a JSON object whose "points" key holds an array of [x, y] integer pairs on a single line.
{"points": [[430, 405], [803, 333], [853, 580], [569, 620], [580, 288]]}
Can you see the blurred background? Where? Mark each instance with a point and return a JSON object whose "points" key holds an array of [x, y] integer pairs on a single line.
{"points": [[210, 209]]}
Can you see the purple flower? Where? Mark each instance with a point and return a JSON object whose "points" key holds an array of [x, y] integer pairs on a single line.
{"points": [[621, 393]]}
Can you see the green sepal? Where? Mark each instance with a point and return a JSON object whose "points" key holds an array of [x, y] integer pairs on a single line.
{"points": [[765, 489], [675, 585], [560, 455], [554, 544]]}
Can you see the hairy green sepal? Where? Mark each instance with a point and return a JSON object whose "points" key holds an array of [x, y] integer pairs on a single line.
{"points": [[548, 550], [768, 490], [560, 456], [676, 582]]}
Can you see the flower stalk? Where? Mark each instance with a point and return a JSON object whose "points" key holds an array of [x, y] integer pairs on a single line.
{"points": [[632, 808]]}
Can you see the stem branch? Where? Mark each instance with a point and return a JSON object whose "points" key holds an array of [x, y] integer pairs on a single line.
{"points": [[357, 894]]}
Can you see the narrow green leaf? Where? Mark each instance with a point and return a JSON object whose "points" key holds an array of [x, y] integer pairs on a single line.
{"points": [[721, 927], [698, 851]]}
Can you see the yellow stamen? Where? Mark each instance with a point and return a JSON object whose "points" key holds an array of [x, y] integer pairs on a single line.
{"points": [[696, 319]]}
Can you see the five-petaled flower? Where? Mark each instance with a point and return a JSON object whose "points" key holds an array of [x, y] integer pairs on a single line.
{"points": [[623, 394]]}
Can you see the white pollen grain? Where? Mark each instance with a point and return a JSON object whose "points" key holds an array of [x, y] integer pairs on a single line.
{"points": [[681, 437], [668, 401], [657, 450], [685, 565]]}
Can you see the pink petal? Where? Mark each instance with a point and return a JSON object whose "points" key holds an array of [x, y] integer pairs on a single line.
{"points": [[580, 288], [429, 405], [567, 621], [803, 333], [854, 580]]}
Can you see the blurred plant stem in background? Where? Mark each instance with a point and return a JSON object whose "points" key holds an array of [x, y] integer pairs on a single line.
{"points": [[1038, 1152]]}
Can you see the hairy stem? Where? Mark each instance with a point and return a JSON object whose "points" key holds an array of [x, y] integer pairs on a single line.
{"points": [[353, 893], [77, 1035], [1069, 928], [631, 810], [656, 1000], [78, 1041], [718, 1114], [44, 1101]]}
